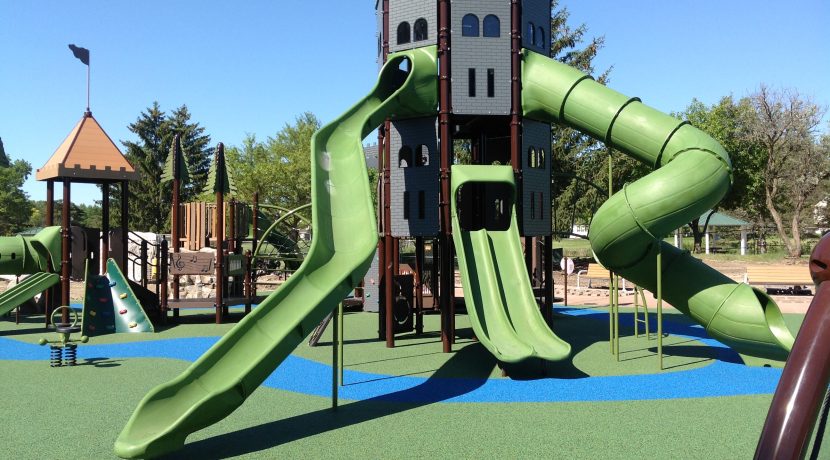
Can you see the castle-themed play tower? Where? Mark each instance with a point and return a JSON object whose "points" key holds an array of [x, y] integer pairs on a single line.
{"points": [[479, 117]]}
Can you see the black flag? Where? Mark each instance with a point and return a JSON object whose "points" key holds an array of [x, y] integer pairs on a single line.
{"points": [[80, 53]]}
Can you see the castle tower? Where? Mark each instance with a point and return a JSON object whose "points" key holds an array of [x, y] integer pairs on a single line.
{"points": [[479, 119]]}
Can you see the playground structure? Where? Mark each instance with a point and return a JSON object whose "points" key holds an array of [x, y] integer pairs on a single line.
{"points": [[692, 172]]}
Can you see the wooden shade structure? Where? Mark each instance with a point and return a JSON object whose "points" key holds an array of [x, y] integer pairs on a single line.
{"points": [[87, 155]]}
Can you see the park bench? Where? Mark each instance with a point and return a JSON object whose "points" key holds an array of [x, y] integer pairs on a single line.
{"points": [[595, 272], [793, 276]]}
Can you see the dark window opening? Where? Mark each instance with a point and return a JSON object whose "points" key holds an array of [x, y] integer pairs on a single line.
{"points": [[531, 157], [541, 159], [471, 82], [380, 44], [406, 205], [532, 205], [540, 38], [469, 25], [420, 31], [403, 33], [421, 155], [531, 33], [491, 83], [405, 157], [492, 26], [421, 204]]}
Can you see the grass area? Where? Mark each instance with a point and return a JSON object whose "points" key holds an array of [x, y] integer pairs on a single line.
{"points": [[81, 410]]}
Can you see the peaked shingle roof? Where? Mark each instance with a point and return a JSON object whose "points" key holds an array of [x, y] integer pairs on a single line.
{"points": [[87, 154]]}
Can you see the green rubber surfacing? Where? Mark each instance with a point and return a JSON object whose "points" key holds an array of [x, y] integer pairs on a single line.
{"points": [[344, 240]]}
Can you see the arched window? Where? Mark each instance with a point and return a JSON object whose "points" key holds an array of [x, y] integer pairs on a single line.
{"points": [[541, 158], [531, 157], [492, 26], [380, 44], [469, 25], [405, 157], [403, 33], [420, 30], [531, 33], [421, 155], [540, 38]]}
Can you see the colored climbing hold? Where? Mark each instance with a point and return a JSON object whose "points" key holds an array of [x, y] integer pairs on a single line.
{"points": [[123, 296], [91, 327], [133, 324], [122, 311], [103, 299], [113, 283], [92, 313]]}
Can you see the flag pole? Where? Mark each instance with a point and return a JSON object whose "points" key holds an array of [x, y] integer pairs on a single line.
{"points": [[87, 87]]}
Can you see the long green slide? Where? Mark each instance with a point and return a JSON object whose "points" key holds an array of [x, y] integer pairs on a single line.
{"points": [[26, 289], [692, 173], [497, 290], [344, 240]]}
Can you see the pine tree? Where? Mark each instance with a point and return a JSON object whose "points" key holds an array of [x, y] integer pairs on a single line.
{"points": [[149, 199], [4, 160], [15, 207]]}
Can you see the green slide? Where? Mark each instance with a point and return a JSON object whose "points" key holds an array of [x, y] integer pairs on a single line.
{"points": [[497, 290], [110, 305], [28, 288], [692, 172], [22, 255], [344, 241]]}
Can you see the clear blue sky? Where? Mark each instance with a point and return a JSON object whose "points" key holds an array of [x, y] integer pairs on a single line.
{"points": [[252, 67]]}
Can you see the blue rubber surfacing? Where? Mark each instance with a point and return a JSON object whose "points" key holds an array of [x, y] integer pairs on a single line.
{"points": [[726, 376]]}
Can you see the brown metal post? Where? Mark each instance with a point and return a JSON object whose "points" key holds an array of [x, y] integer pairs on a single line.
{"points": [[232, 226], [125, 212], [66, 234], [162, 277], [49, 220], [142, 260], [419, 286], [548, 256], [529, 248], [105, 226], [516, 101], [447, 282], [175, 225], [803, 384], [255, 223], [248, 290], [388, 246], [219, 231]]}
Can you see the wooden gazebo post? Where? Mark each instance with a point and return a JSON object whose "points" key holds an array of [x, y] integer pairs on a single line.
{"points": [[66, 240], [105, 226]]}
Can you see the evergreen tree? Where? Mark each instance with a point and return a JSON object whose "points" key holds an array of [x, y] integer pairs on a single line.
{"points": [[15, 207], [149, 199]]}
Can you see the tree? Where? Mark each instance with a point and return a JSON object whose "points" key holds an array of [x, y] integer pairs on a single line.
{"points": [[280, 168], [784, 124], [15, 207], [579, 162], [149, 199], [727, 122]]}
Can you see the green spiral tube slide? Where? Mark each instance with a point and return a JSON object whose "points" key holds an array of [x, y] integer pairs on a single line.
{"points": [[692, 174], [345, 238]]}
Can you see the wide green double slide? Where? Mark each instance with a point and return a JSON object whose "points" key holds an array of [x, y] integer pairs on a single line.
{"points": [[26, 290], [344, 241], [497, 290], [692, 173]]}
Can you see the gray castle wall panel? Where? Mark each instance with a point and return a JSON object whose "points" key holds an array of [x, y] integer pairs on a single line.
{"points": [[480, 53], [414, 179], [379, 33], [410, 11], [537, 12], [535, 181]]}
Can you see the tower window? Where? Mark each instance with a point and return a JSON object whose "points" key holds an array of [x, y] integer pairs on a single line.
{"points": [[469, 25], [531, 157], [531, 33], [540, 38], [492, 26], [541, 158], [471, 82], [421, 204], [405, 157], [420, 30], [421, 155], [403, 33], [406, 205], [491, 82], [532, 205]]}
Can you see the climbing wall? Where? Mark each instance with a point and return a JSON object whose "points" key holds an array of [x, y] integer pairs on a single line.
{"points": [[110, 306]]}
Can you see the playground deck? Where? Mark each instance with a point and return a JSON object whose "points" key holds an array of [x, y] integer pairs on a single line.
{"points": [[411, 401]]}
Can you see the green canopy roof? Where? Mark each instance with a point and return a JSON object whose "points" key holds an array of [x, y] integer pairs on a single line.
{"points": [[722, 220], [219, 179]]}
